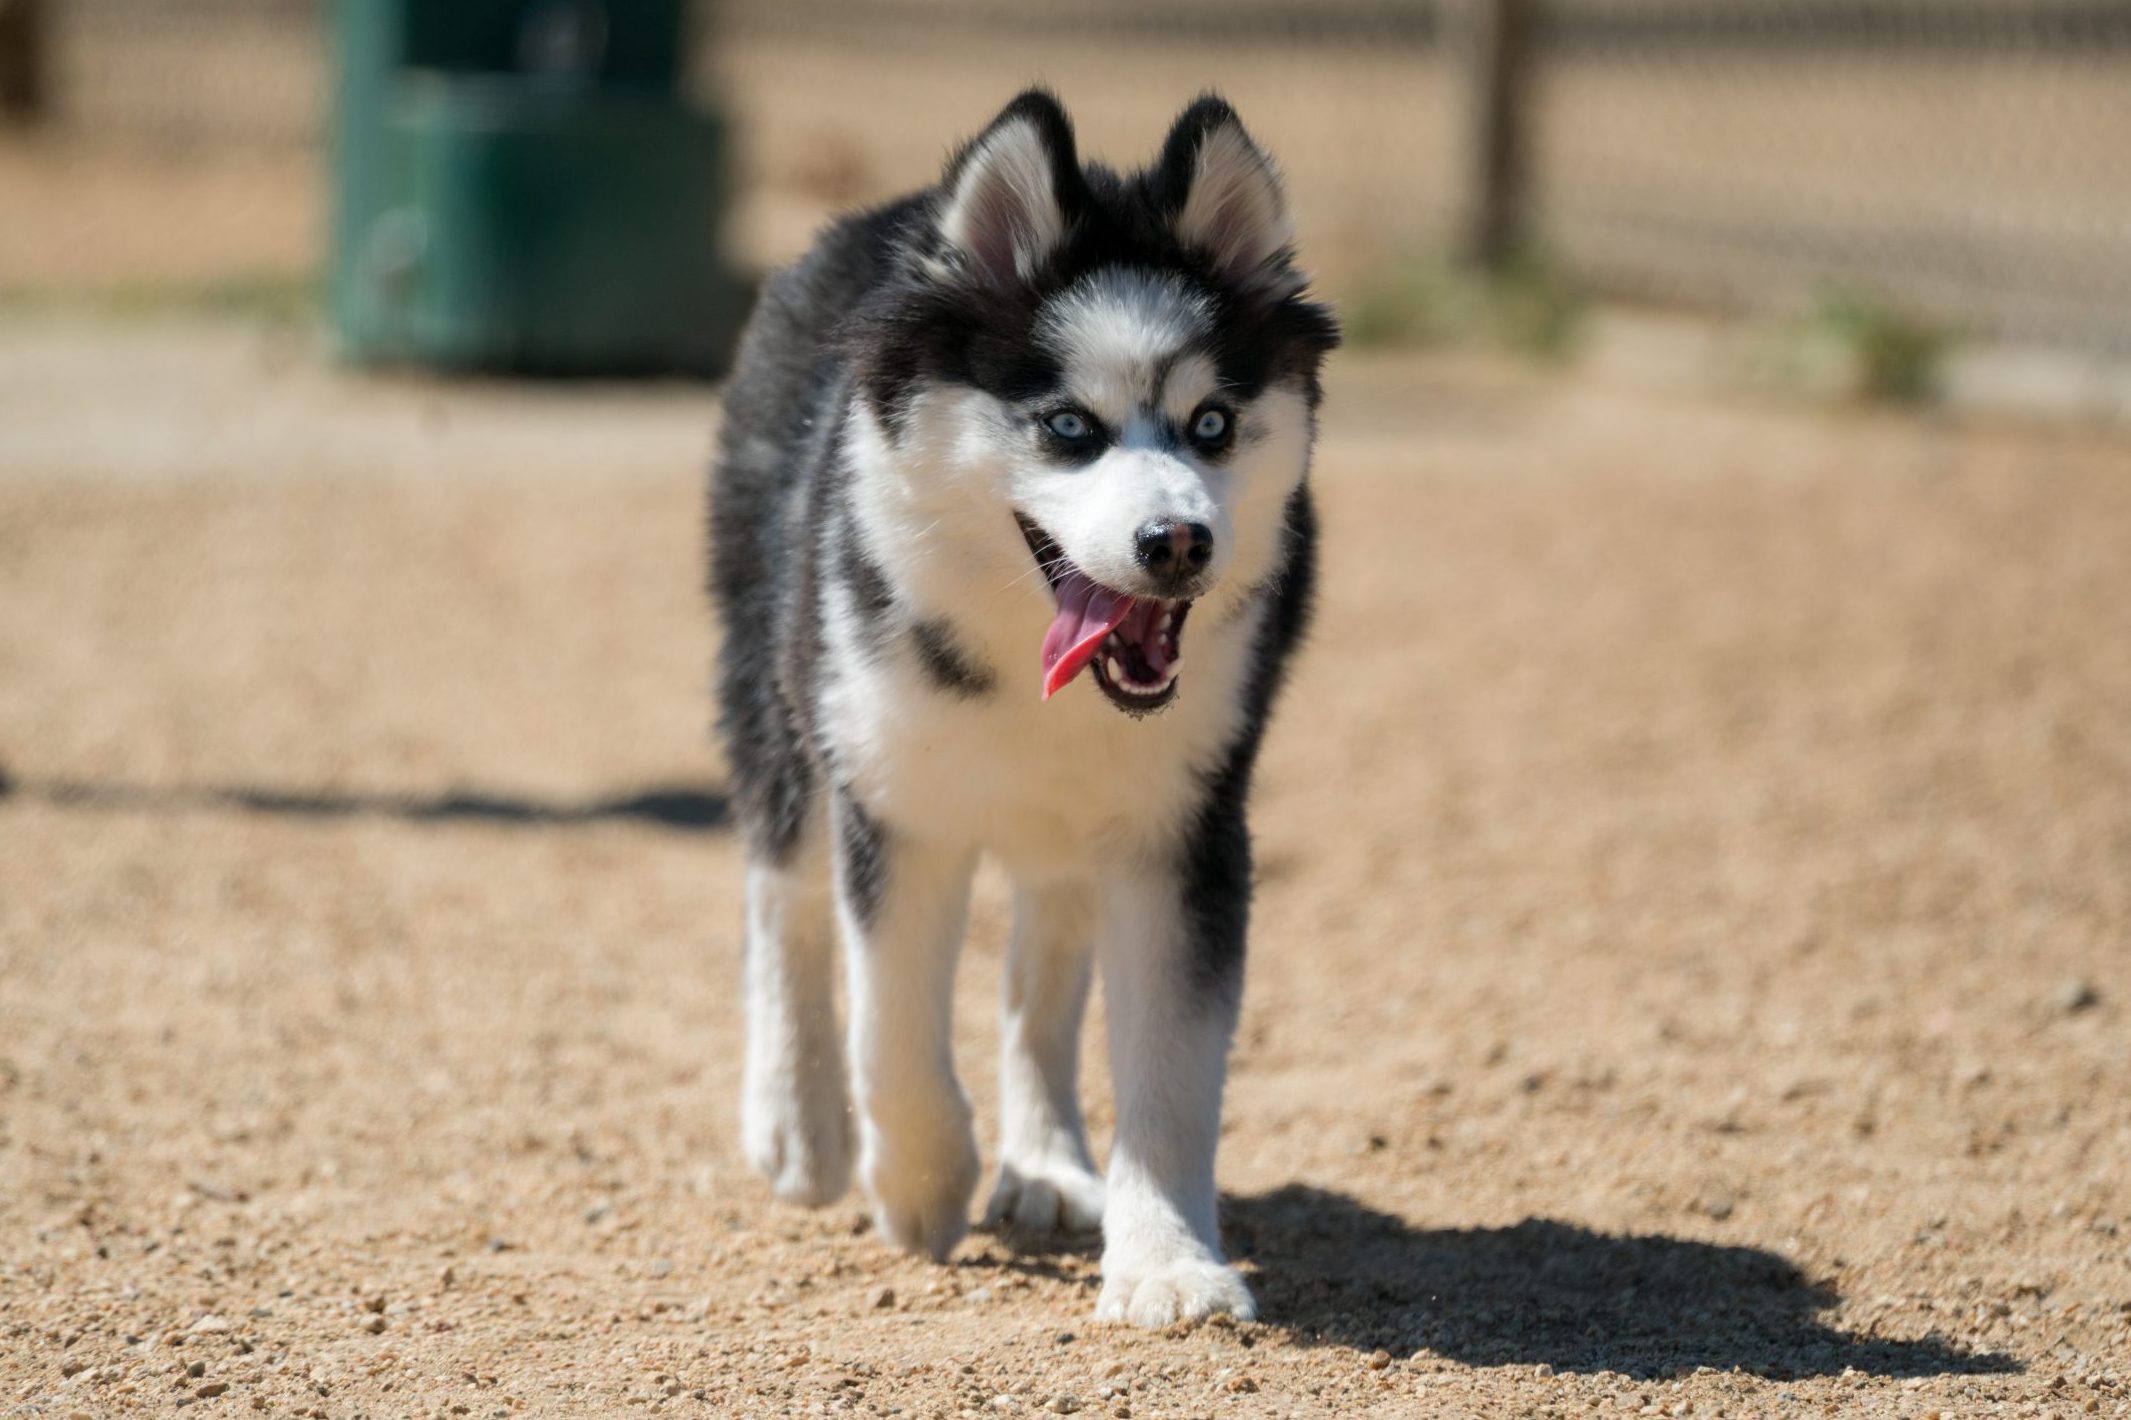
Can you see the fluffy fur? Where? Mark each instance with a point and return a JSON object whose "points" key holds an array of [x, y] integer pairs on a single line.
{"points": [[951, 409]]}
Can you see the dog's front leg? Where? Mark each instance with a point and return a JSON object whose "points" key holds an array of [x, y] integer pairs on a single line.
{"points": [[1171, 945], [1047, 1182], [903, 904]]}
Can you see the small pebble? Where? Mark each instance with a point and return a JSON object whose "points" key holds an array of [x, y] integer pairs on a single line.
{"points": [[211, 1389], [1379, 1360], [883, 1298], [2078, 994]]}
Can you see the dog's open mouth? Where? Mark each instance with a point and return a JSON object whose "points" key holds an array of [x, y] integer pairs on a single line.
{"points": [[1134, 643]]}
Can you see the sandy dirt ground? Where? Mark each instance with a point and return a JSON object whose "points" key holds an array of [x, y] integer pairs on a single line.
{"points": [[1690, 972]]}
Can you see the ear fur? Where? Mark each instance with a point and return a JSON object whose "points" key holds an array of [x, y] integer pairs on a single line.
{"points": [[1013, 191], [1225, 195]]}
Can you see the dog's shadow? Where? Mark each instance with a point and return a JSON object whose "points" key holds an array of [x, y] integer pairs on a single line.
{"points": [[1334, 1271]]}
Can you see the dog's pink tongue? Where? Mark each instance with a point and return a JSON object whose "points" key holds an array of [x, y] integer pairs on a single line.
{"points": [[1087, 612]]}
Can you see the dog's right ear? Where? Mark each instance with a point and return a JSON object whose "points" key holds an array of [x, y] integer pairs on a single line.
{"points": [[1012, 192]]}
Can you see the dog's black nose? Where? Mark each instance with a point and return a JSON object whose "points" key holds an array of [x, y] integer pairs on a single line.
{"points": [[1174, 550]]}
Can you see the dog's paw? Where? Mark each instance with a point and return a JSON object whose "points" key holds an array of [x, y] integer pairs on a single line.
{"points": [[1045, 1196], [921, 1196], [797, 1134], [1189, 1289]]}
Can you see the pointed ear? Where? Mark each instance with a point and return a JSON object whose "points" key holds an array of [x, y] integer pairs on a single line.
{"points": [[1225, 195], [1013, 191]]}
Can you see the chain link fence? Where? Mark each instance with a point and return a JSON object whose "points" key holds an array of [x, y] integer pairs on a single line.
{"points": [[177, 74], [1965, 160]]}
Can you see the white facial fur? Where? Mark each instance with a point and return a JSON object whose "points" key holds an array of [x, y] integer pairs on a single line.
{"points": [[1129, 343]]}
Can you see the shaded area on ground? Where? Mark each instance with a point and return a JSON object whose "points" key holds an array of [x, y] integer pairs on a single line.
{"points": [[683, 808], [1338, 1272]]}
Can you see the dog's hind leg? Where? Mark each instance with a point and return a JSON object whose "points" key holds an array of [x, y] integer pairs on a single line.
{"points": [[1047, 1183], [795, 1111], [903, 905]]}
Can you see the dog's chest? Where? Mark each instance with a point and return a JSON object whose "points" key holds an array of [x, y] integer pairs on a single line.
{"points": [[1048, 786]]}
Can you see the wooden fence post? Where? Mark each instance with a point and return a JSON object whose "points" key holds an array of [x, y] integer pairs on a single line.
{"points": [[22, 61], [1498, 53]]}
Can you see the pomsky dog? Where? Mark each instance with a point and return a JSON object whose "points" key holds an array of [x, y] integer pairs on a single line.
{"points": [[995, 457]]}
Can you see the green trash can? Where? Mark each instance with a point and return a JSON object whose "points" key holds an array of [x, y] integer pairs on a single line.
{"points": [[522, 188]]}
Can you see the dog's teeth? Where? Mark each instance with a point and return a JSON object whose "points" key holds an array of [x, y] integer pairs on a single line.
{"points": [[1116, 670]]}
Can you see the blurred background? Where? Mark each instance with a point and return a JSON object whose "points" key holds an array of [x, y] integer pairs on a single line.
{"points": [[1900, 174], [1692, 946]]}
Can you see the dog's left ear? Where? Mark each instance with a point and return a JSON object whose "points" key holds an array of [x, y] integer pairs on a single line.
{"points": [[1224, 195]]}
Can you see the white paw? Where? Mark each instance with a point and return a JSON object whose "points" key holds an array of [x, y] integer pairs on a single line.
{"points": [[921, 1194], [1190, 1289], [797, 1134], [1044, 1196]]}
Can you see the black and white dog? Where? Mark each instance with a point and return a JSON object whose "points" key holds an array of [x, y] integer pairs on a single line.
{"points": [[1039, 420]]}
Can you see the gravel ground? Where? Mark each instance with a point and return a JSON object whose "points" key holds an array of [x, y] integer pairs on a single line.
{"points": [[1690, 974]]}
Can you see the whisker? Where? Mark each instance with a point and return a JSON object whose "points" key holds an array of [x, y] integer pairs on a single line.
{"points": [[1045, 566]]}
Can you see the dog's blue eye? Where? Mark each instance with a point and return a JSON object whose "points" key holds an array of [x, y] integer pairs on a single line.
{"points": [[1068, 425], [1211, 425]]}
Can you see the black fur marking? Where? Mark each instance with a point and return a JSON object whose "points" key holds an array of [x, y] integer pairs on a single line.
{"points": [[871, 593], [861, 858], [1215, 862], [946, 665]]}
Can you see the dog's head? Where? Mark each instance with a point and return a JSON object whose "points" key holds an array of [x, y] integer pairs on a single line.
{"points": [[1129, 361]]}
